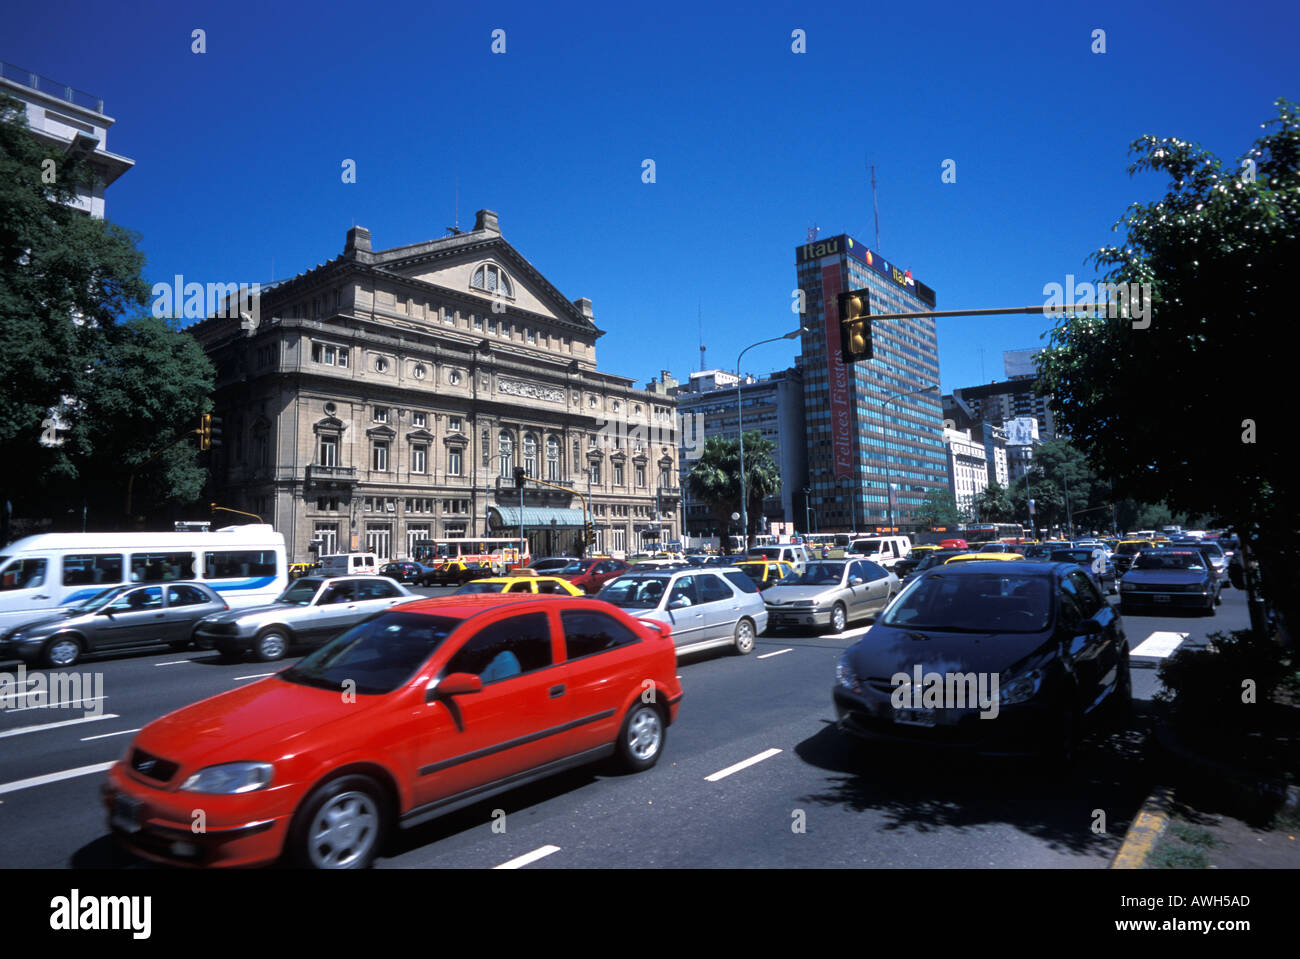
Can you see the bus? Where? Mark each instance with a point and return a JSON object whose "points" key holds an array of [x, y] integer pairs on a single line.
{"points": [[501, 552], [993, 532], [246, 565]]}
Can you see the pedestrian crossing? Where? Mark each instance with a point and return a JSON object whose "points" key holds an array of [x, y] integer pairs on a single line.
{"points": [[1159, 645]]}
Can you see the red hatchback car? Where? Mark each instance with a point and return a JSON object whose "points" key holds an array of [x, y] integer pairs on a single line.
{"points": [[425, 708], [589, 575]]}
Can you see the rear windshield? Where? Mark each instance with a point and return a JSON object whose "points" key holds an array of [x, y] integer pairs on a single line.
{"points": [[1168, 559]]}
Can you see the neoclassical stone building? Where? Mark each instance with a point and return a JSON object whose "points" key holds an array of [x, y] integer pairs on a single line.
{"points": [[386, 397]]}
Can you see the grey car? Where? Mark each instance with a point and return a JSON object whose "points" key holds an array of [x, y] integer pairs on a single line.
{"points": [[114, 619], [311, 611], [831, 593], [704, 607]]}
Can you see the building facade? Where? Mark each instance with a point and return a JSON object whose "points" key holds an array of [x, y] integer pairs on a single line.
{"points": [[774, 407], [878, 423], [386, 398], [968, 469]]}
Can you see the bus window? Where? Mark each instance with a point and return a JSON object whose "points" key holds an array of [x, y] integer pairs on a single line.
{"points": [[161, 567], [235, 564]]}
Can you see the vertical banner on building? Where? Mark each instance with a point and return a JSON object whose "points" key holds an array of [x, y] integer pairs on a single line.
{"points": [[837, 377]]}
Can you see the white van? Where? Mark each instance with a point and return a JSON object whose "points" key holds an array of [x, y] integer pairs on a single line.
{"points": [[245, 564], [349, 564], [796, 556], [884, 551]]}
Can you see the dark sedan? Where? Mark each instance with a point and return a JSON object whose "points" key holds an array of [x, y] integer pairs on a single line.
{"points": [[932, 559], [116, 618], [1092, 559], [1012, 658], [1165, 578], [405, 572]]}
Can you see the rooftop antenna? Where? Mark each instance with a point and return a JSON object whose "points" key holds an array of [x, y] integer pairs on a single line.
{"points": [[454, 229], [813, 231], [875, 205], [700, 308]]}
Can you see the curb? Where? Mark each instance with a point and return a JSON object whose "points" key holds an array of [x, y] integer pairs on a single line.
{"points": [[1145, 829]]}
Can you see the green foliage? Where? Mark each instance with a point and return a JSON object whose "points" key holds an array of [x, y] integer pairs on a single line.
{"points": [[939, 508], [1192, 411], [715, 478]]}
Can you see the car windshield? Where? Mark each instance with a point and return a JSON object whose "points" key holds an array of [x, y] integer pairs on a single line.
{"points": [[753, 571], [819, 574], [99, 600], [300, 591], [1035, 552], [1128, 549], [1169, 559], [377, 655], [974, 603], [480, 586], [635, 592], [1081, 556]]}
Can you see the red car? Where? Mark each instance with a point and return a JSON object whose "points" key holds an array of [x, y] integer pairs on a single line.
{"points": [[423, 709], [589, 575]]}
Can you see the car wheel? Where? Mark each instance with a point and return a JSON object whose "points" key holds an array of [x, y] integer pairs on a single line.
{"points": [[61, 651], [340, 826], [641, 740], [839, 618], [744, 638], [271, 645]]}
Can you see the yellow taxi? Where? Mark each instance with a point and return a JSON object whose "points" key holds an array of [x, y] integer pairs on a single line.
{"points": [[972, 557], [300, 569], [766, 573], [521, 584]]}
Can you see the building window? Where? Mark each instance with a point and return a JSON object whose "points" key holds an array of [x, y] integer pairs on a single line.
{"points": [[530, 454], [418, 371], [478, 323], [381, 414], [531, 334], [453, 424], [454, 377], [552, 459], [618, 474], [505, 455], [484, 440], [577, 455], [420, 458], [595, 473], [329, 354], [327, 503], [379, 456], [328, 453], [453, 463], [419, 419], [381, 364], [640, 476], [490, 278]]}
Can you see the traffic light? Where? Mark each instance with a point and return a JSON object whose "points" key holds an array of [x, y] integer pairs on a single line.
{"points": [[855, 325], [588, 534], [209, 431], [520, 475]]}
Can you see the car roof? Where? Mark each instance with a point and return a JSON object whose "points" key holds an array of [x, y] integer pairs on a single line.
{"points": [[995, 557], [469, 605], [1027, 567]]}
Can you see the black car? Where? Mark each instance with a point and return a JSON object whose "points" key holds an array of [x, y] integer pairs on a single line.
{"points": [[932, 559], [1165, 578], [1094, 561], [1026, 655], [404, 572]]}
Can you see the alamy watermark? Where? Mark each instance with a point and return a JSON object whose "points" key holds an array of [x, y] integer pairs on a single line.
{"points": [[196, 301], [1118, 300], [922, 690], [686, 435], [52, 690]]}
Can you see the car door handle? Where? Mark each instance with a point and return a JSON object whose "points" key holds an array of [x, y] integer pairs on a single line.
{"points": [[40, 597], [557, 691]]}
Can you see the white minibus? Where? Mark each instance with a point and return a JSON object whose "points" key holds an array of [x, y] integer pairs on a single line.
{"points": [[245, 564]]}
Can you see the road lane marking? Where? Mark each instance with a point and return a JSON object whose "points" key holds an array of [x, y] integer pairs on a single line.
{"points": [[120, 732], [65, 722], [254, 676], [1159, 644], [744, 764], [526, 858], [18, 784], [777, 653], [71, 702], [174, 662]]}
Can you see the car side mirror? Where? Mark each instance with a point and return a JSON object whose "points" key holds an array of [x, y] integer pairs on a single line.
{"points": [[455, 684], [856, 581], [1090, 627], [678, 603]]}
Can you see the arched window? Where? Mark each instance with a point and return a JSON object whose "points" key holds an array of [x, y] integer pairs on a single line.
{"points": [[505, 454], [530, 454], [552, 459], [490, 278]]}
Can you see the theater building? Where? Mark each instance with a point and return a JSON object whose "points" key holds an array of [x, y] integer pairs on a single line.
{"points": [[387, 396]]}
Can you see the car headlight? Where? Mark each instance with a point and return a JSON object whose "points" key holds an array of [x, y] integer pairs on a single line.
{"points": [[1021, 689], [230, 778], [845, 674]]}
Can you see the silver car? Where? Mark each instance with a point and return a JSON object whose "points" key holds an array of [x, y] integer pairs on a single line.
{"points": [[311, 611], [705, 608], [831, 593], [116, 618]]}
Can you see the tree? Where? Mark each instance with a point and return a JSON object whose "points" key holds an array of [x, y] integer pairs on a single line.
{"points": [[1184, 403], [65, 279], [939, 508], [993, 504], [715, 478]]}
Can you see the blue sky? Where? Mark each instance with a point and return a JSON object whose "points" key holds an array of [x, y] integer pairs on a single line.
{"points": [[238, 150]]}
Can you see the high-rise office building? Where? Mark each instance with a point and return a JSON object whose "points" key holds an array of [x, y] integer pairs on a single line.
{"points": [[873, 422]]}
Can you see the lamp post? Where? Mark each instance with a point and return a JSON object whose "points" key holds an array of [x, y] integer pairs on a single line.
{"points": [[884, 438], [740, 424]]}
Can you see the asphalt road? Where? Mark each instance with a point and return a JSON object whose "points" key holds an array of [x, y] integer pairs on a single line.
{"points": [[808, 797]]}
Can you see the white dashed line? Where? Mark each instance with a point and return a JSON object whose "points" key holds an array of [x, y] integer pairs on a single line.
{"points": [[55, 777], [70, 703], [1159, 645], [120, 732], [174, 662], [254, 676], [777, 653], [65, 722], [744, 764], [526, 858]]}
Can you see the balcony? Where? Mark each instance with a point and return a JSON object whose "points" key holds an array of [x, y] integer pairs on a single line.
{"points": [[331, 477]]}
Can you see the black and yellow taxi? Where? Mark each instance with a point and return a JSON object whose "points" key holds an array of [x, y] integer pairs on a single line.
{"points": [[766, 573]]}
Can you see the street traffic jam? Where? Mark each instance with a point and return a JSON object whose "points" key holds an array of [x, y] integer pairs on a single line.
{"points": [[405, 707]]}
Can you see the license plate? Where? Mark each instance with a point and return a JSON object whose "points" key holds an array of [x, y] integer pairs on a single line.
{"points": [[128, 814], [1160, 598], [914, 717]]}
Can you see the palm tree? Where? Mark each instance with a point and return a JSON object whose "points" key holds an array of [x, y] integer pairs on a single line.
{"points": [[715, 478]]}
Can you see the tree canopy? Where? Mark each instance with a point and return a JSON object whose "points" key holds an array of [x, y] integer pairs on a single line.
{"points": [[715, 478]]}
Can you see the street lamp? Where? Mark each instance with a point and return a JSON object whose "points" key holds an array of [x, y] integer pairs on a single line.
{"points": [[740, 424], [884, 438]]}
